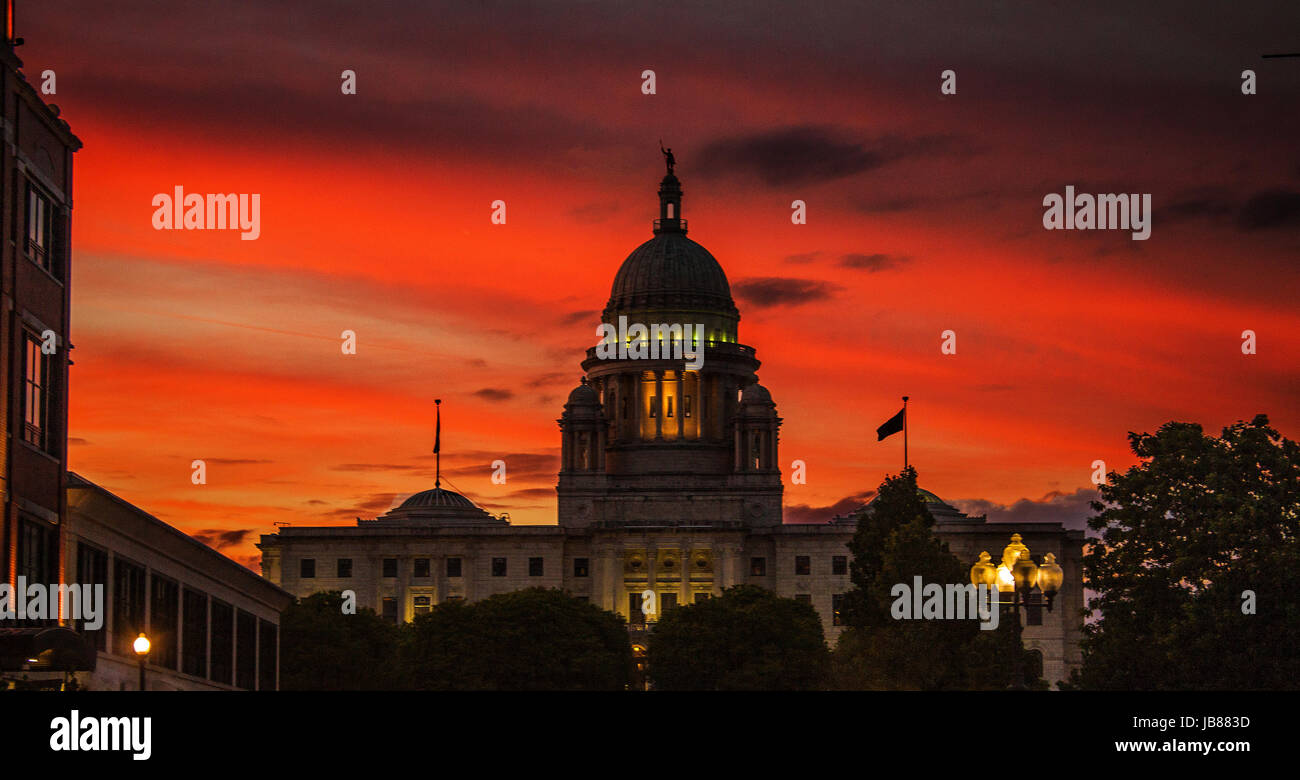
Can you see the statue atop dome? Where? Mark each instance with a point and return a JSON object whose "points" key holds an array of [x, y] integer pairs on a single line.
{"points": [[669, 160]]}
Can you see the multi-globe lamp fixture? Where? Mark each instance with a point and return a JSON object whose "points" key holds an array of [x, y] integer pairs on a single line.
{"points": [[1018, 574]]}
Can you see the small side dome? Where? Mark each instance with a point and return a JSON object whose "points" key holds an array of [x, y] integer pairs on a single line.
{"points": [[437, 497], [755, 394], [584, 395]]}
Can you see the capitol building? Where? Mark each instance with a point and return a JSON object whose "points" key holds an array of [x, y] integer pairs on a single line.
{"points": [[669, 482]]}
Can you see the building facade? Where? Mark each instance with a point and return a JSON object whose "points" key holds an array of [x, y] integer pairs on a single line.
{"points": [[35, 211], [669, 484], [213, 624]]}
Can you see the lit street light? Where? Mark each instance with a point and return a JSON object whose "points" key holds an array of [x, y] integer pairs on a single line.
{"points": [[141, 647]]}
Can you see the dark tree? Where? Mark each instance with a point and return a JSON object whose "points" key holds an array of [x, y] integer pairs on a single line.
{"points": [[893, 544], [535, 639], [747, 639], [1186, 537], [322, 649]]}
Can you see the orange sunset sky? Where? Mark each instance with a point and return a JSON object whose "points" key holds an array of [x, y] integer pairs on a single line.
{"points": [[924, 214]]}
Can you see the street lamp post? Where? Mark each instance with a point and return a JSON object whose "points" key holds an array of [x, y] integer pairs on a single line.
{"points": [[1017, 576], [141, 647]]}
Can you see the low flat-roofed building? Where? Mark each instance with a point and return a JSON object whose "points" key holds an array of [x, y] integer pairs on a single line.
{"points": [[213, 624]]}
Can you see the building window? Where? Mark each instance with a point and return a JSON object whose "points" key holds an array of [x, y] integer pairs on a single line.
{"points": [[686, 406], [802, 564], [666, 602], [268, 655], [390, 568], [38, 552], [670, 406], [194, 638], [164, 621], [307, 569], [453, 567], [40, 227], [420, 568], [223, 643], [634, 614], [37, 392], [654, 406], [128, 606], [345, 568], [581, 567], [390, 609], [535, 567], [92, 569], [840, 564], [803, 598], [699, 597], [498, 567], [421, 605], [837, 609], [246, 650], [1034, 610], [758, 567]]}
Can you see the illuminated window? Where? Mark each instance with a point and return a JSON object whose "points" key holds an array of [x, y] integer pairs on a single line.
{"points": [[802, 564], [686, 406], [670, 406], [654, 406], [837, 609], [421, 605], [581, 567], [36, 397], [128, 605], [758, 567]]}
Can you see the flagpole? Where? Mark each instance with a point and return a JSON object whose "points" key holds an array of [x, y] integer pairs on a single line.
{"points": [[904, 433], [437, 445]]}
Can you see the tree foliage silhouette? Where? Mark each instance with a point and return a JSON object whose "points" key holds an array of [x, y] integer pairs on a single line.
{"points": [[1184, 536]]}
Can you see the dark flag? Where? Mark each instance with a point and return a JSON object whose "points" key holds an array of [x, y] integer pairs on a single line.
{"points": [[437, 438], [892, 426]]}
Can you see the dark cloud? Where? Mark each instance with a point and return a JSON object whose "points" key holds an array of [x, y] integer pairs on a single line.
{"points": [[804, 513], [577, 317], [795, 155], [77, 442], [1072, 509], [1270, 209], [873, 263], [802, 259], [366, 506], [594, 213], [494, 394], [235, 461], [525, 465], [767, 291], [219, 539], [373, 467], [551, 378]]}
